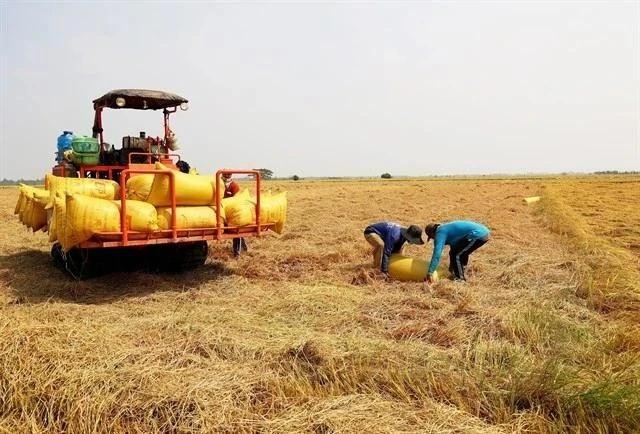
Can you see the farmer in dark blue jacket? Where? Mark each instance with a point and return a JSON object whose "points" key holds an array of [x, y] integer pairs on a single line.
{"points": [[387, 238], [462, 236]]}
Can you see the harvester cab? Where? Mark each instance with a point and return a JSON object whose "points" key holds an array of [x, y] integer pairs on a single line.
{"points": [[96, 158]]}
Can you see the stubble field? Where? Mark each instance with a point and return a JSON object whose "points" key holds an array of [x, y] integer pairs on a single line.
{"points": [[299, 335]]}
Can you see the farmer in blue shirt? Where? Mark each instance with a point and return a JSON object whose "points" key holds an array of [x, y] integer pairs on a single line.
{"points": [[462, 236], [387, 238]]}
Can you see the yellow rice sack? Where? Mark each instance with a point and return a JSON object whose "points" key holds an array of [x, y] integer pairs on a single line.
{"points": [[273, 209], [407, 268], [39, 214], [239, 210], [241, 195], [21, 199], [190, 189], [97, 188], [86, 216], [188, 217], [141, 216], [60, 219], [40, 194], [21, 205], [31, 211], [26, 209], [52, 224], [139, 187]]}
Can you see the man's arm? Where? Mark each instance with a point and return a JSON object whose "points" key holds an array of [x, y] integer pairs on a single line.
{"points": [[438, 246], [386, 254], [234, 188]]}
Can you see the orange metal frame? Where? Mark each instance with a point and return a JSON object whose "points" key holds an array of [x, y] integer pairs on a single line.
{"points": [[111, 170], [125, 237]]}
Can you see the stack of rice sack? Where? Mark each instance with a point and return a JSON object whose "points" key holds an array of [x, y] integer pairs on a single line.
{"points": [[240, 210], [195, 200], [75, 209], [195, 197], [30, 207]]}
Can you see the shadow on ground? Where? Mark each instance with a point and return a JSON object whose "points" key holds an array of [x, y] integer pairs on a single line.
{"points": [[31, 277]]}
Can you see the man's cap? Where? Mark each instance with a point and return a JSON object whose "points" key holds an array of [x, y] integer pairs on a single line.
{"points": [[413, 234], [430, 230]]}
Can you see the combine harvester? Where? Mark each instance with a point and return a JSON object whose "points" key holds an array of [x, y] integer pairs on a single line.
{"points": [[133, 206]]}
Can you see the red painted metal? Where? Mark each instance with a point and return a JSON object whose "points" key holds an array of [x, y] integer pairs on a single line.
{"points": [[113, 239], [109, 170]]}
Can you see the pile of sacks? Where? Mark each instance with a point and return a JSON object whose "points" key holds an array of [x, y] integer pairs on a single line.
{"points": [[73, 210], [30, 207]]}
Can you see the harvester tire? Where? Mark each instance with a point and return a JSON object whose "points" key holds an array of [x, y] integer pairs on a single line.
{"points": [[58, 256], [79, 263]]}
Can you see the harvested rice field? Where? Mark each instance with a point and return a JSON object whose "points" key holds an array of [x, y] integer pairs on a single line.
{"points": [[300, 335]]}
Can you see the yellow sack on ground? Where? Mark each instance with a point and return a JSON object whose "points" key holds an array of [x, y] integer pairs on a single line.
{"points": [[141, 216], [97, 188], [139, 187], [407, 268], [188, 217], [190, 189], [87, 216], [239, 210], [273, 209]]}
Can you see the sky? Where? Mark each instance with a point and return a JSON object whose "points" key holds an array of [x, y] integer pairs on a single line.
{"points": [[333, 88]]}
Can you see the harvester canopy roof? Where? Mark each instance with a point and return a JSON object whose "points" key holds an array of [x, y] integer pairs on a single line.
{"points": [[139, 99]]}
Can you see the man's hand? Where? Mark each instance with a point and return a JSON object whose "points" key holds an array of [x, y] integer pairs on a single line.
{"points": [[426, 285], [429, 278], [428, 281]]}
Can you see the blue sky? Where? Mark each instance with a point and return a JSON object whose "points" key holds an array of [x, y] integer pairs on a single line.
{"points": [[334, 89]]}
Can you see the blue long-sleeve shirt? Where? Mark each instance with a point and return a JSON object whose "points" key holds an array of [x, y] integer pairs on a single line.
{"points": [[391, 234], [452, 232]]}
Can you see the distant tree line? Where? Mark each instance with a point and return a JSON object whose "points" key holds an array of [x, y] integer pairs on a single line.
{"points": [[6, 181], [617, 172]]}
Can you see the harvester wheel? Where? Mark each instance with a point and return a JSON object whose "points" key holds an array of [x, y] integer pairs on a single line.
{"points": [[71, 262], [77, 262], [58, 256]]}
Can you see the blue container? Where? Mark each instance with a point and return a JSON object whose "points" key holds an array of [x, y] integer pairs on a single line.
{"points": [[64, 144]]}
